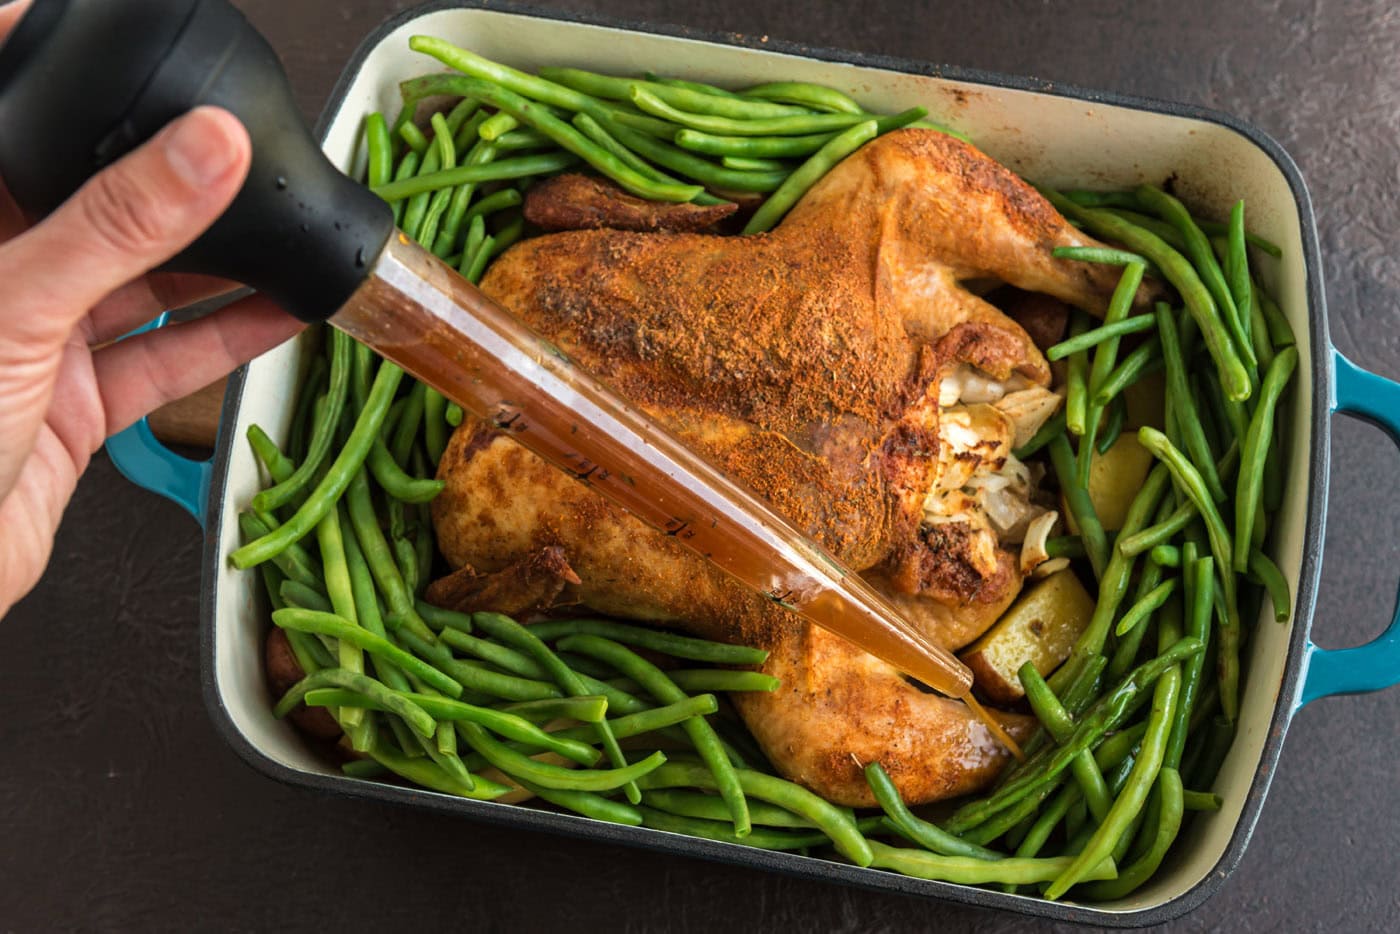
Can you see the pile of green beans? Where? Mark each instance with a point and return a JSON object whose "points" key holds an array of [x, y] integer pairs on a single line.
{"points": [[658, 138], [579, 715], [1145, 706]]}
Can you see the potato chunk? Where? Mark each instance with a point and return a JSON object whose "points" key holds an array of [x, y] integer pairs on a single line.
{"points": [[1040, 627]]}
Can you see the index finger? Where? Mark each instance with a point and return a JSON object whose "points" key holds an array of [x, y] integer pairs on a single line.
{"points": [[10, 14]]}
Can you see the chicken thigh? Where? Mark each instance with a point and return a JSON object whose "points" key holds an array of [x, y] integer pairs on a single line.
{"points": [[844, 369]]}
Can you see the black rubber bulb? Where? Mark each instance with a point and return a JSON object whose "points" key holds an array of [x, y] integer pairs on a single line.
{"points": [[82, 82]]}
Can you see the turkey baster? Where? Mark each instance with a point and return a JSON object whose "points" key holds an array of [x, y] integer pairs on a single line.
{"points": [[82, 82]]}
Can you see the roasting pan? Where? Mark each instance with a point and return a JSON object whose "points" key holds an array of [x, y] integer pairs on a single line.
{"points": [[1058, 135]]}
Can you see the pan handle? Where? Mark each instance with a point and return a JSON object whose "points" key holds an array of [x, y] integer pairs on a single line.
{"points": [[142, 459], [1376, 664]]}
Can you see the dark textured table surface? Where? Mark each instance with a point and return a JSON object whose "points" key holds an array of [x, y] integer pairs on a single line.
{"points": [[120, 808]]}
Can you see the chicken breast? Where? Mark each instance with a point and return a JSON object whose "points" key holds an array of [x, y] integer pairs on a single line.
{"points": [[809, 364]]}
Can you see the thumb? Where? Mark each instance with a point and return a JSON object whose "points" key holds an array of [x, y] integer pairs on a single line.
{"points": [[127, 219]]}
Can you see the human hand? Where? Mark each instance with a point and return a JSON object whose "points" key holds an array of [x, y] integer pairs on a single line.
{"points": [[79, 280]]}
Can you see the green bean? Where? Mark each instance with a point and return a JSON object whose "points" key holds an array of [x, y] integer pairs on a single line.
{"points": [[1151, 537], [1180, 273], [1280, 331], [478, 678], [815, 96], [414, 138], [431, 776], [329, 624], [1053, 428], [501, 722], [762, 838], [1267, 572], [1142, 361], [594, 131], [999, 825], [502, 656], [1237, 272], [1133, 325], [695, 102], [1183, 403], [1170, 812], [497, 125], [1080, 506], [590, 709], [416, 207], [434, 427], [440, 618], [538, 117], [1011, 871], [554, 776], [1113, 425], [380, 148], [496, 201], [362, 768], [508, 233], [512, 633], [426, 232], [1200, 581], [665, 690], [693, 680], [746, 164], [648, 721], [296, 563], [785, 125], [1201, 801], [1199, 250], [1140, 782], [692, 85], [481, 154], [1155, 225], [334, 483], [836, 823], [1099, 254], [1077, 379], [928, 835], [784, 147], [690, 165], [377, 555], [1125, 653], [307, 394], [517, 140], [1060, 725], [1103, 199], [474, 260], [350, 653], [415, 716], [700, 650], [587, 803], [1104, 716], [1249, 485], [278, 465], [1167, 556], [323, 434], [1189, 481], [518, 167], [1214, 228], [1065, 546], [1145, 607], [697, 804]]}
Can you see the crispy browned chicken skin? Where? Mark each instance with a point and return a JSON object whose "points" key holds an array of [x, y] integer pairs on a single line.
{"points": [[806, 363]]}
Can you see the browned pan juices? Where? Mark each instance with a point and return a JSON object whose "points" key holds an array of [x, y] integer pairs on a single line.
{"points": [[419, 313]]}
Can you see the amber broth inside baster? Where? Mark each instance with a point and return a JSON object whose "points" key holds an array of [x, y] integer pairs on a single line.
{"points": [[417, 312]]}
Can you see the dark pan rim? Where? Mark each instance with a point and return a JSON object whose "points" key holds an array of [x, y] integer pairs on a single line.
{"points": [[786, 863]]}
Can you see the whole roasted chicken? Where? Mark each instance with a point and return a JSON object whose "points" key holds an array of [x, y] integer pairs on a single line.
{"points": [[844, 367]]}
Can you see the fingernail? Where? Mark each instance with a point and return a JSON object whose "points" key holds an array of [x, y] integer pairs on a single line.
{"points": [[199, 148]]}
